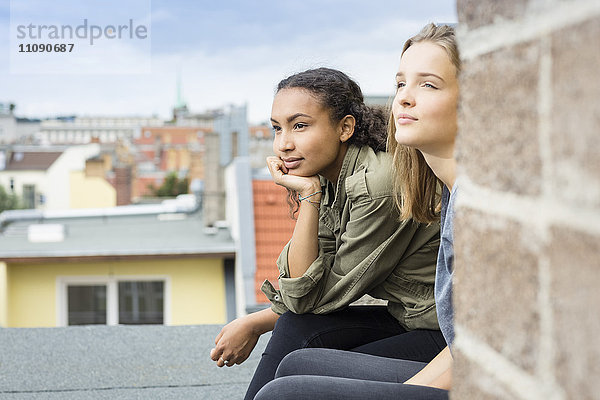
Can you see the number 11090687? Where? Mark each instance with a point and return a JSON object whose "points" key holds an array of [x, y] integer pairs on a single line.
{"points": [[46, 48]]}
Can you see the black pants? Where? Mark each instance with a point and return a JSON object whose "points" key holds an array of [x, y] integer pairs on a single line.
{"points": [[363, 329], [335, 374]]}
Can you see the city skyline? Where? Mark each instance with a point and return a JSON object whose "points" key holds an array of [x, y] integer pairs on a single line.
{"points": [[229, 53]]}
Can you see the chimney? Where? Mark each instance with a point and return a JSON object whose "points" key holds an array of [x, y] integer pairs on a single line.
{"points": [[94, 167], [234, 144], [123, 185], [213, 200]]}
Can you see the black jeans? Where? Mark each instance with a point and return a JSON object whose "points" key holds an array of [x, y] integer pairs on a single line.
{"points": [[333, 374], [364, 329]]}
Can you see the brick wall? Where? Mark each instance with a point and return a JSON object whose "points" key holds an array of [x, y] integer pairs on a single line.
{"points": [[527, 284]]}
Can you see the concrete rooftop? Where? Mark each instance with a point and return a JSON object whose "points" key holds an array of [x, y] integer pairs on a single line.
{"points": [[144, 234], [118, 362]]}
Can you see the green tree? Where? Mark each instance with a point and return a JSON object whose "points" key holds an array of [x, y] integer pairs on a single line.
{"points": [[172, 186], [9, 201]]}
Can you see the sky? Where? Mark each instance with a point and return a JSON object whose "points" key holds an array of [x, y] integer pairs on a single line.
{"points": [[225, 52]]}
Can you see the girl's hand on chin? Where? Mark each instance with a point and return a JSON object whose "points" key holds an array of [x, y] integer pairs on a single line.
{"points": [[304, 185]]}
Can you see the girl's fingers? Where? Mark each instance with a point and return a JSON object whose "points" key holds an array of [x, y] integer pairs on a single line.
{"points": [[283, 168], [218, 337], [215, 354], [271, 165], [281, 177], [276, 166]]}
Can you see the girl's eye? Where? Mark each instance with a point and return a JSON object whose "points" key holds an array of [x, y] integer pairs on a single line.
{"points": [[429, 85], [276, 129], [300, 125], [400, 85]]}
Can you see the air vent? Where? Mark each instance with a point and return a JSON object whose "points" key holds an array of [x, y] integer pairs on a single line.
{"points": [[46, 233], [171, 217]]}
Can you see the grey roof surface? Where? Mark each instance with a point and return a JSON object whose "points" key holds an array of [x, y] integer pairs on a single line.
{"points": [[119, 362], [150, 234]]}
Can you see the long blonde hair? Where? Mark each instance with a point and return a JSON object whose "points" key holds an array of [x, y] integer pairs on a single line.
{"points": [[418, 190]]}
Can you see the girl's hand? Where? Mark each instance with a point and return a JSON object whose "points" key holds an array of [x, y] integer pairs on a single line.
{"points": [[304, 185], [234, 343]]}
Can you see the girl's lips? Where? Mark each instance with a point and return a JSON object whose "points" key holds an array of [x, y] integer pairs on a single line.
{"points": [[291, 163], [404, 119]]}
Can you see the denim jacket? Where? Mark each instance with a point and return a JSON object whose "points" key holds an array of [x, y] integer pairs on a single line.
{"points": [[364, 248]]}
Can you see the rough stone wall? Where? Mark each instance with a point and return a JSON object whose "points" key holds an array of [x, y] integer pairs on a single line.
{"points": [[527, 245]]}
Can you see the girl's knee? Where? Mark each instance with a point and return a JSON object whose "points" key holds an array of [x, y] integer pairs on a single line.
{"points": [[293, 325], [283, 319], [293, 363], [286, 319], [278, 389]]}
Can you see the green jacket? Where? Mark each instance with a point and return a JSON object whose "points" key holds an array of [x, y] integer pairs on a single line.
{"points": [[363, 248]]}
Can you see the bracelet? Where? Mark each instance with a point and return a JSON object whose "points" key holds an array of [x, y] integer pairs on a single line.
{"points": [[312, 203], [300, 198]]}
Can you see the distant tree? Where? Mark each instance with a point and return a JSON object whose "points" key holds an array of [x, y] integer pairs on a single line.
{"points": [[9, 201], [172, 186]]}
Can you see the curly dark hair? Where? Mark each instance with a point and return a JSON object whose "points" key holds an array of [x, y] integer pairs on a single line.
{"points": [[337, 92]]}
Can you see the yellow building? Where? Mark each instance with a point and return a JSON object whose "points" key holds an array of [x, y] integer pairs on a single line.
{"points": [[90, 191], [130, 265]]}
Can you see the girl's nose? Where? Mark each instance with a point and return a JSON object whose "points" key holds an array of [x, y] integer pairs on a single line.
{"points": [[285, 142], [404, 97]]}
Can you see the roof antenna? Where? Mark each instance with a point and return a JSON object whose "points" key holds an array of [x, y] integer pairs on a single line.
{"points": [[180, 110]]}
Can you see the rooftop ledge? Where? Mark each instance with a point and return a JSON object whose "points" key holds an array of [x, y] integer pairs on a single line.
{"points": [[118, 362]]}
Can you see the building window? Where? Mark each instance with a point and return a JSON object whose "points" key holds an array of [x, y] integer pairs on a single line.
{"points": [[29, 196], [86, 304], [141, 302], [119, 300]]}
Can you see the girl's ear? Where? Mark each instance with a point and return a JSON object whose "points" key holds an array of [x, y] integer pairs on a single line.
{"points": [[347, 128]]}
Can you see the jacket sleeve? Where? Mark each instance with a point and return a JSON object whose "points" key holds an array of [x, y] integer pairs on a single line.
{"points": [[302, 284], [371, 244]]}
